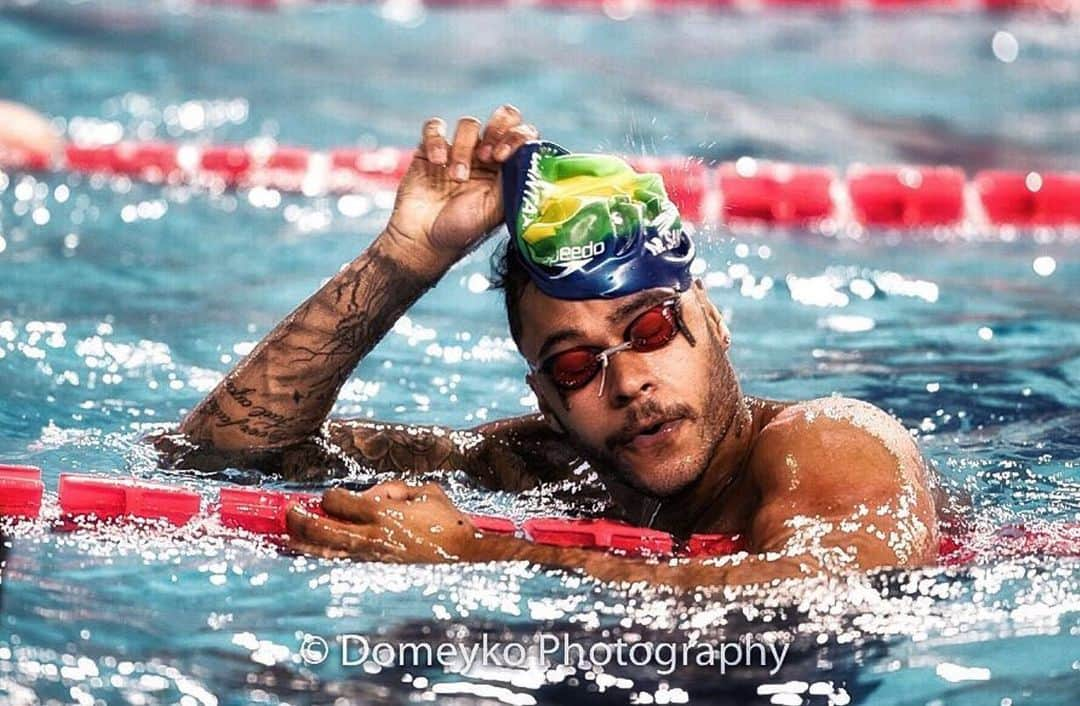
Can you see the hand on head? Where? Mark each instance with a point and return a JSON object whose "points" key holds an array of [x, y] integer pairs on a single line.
{"points": [[26, 137], [451, 195]]}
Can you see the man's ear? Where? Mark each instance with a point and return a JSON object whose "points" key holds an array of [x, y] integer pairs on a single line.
{"points": [[545, 408], [712, 315]]}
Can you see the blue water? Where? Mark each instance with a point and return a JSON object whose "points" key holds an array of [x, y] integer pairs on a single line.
{"points": [[116, 318]]}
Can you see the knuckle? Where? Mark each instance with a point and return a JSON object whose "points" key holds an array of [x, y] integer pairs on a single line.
{"points": [[432, 490], [509, 109]]}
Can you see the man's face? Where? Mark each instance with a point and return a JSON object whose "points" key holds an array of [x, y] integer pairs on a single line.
{"points": [[660, 414]]}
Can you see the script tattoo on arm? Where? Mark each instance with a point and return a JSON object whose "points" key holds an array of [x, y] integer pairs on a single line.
{"points": [[281, 393]]}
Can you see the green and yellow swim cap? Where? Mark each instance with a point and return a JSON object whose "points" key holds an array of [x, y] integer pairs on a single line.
{"points": [[587, 226]]}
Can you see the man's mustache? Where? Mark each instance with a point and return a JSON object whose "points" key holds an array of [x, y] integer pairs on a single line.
{"points": [[649, 411]]}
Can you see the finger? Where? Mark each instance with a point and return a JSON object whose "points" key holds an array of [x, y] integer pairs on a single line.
{"points": [[461, 154], [347, 505], [306, 526], [301, 547], [433, 141], [390, 490], [515, 138], [429, 491], [298, 546], [502, 119]]}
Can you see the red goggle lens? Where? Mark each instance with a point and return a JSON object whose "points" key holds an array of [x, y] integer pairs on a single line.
{"points": [[574, 368]]}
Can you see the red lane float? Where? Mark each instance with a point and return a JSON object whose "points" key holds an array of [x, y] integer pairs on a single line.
{"points": [[774, 193], [1033, 199], [259, 511], [151, 161], [598, 534], [111, 499], [907, 196], [733, 193], [264, 512], [20, 491]]}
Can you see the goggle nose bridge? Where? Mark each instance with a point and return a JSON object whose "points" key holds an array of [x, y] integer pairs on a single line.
{"points": [[604, 355]]}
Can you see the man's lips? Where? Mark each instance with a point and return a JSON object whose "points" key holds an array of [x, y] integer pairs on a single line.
{"points": [[653, 434]]}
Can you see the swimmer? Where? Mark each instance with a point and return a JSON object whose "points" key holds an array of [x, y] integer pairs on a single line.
{"points": [[25, 137], [627, 357]]}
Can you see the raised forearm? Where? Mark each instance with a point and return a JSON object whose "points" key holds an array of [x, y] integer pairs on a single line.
{"points": [[283, 390]]}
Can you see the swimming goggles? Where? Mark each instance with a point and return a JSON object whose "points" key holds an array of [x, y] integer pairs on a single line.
{"points": [[651, 330]]}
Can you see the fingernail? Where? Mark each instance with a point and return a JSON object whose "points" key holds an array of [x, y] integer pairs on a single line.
{"points": [[459, 172], [438, 155], [503, 152]]}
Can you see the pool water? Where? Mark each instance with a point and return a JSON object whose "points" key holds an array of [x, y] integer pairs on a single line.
{"points": [[122, 304]]}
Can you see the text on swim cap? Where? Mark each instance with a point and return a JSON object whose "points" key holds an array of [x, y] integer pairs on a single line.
{"points": [[570, 253]]}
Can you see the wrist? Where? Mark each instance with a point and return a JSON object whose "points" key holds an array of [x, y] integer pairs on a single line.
{"points": [[414, 252]]}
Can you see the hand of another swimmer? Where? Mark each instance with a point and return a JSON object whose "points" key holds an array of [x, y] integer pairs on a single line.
{"points": [[451, 196], [25, 136], [391, 522]]}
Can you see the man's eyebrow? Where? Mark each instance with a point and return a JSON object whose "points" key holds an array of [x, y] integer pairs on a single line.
{"points": [[556, 338], [638, 301]]}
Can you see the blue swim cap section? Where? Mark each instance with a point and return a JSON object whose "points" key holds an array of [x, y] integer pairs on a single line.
{"points": [[590, 227]]}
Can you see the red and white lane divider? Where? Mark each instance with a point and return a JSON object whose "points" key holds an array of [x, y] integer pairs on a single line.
{"points": [[624, 9], [745, 191], [263, 512]]}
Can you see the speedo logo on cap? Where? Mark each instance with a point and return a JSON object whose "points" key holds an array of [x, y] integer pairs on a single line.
{"points": [[573, 253]]}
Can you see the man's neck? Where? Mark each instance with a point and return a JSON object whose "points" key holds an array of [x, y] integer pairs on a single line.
{"points": [[699, 506]]}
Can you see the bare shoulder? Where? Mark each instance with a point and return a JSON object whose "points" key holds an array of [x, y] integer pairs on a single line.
{"points": [[843, 421], [836, 441]]}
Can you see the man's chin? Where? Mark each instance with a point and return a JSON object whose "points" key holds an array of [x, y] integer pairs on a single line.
{"points": [[659, 482]]}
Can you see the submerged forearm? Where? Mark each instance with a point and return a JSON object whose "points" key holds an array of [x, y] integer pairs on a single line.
{"points": [[678, 573], [284, 389]]}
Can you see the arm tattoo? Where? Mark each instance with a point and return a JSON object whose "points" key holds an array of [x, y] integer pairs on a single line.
{"points": [[516, 454], [282, 392]]}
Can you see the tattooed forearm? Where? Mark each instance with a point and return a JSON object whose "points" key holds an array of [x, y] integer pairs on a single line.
{"points": [[399, 448], [282, 392]]}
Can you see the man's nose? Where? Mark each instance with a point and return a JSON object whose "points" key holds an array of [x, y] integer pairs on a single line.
{"points": [[629, 376]]}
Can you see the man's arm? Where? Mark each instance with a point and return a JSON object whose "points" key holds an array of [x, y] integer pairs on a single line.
{"points": [[274, 403], [513, 454], [842, 488], [281, 393]]}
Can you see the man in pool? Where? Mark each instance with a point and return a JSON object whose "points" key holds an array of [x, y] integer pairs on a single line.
{"points": [[628, 359]]}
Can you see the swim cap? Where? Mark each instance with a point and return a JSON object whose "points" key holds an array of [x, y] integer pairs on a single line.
{"points": [[587, 226]]}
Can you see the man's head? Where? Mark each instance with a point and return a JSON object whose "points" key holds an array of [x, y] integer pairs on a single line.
{"points": [[652, 418], [626, 357]]}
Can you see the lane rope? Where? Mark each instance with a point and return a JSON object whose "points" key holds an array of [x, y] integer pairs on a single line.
{"points": [[84, 497], [745, 191]]}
